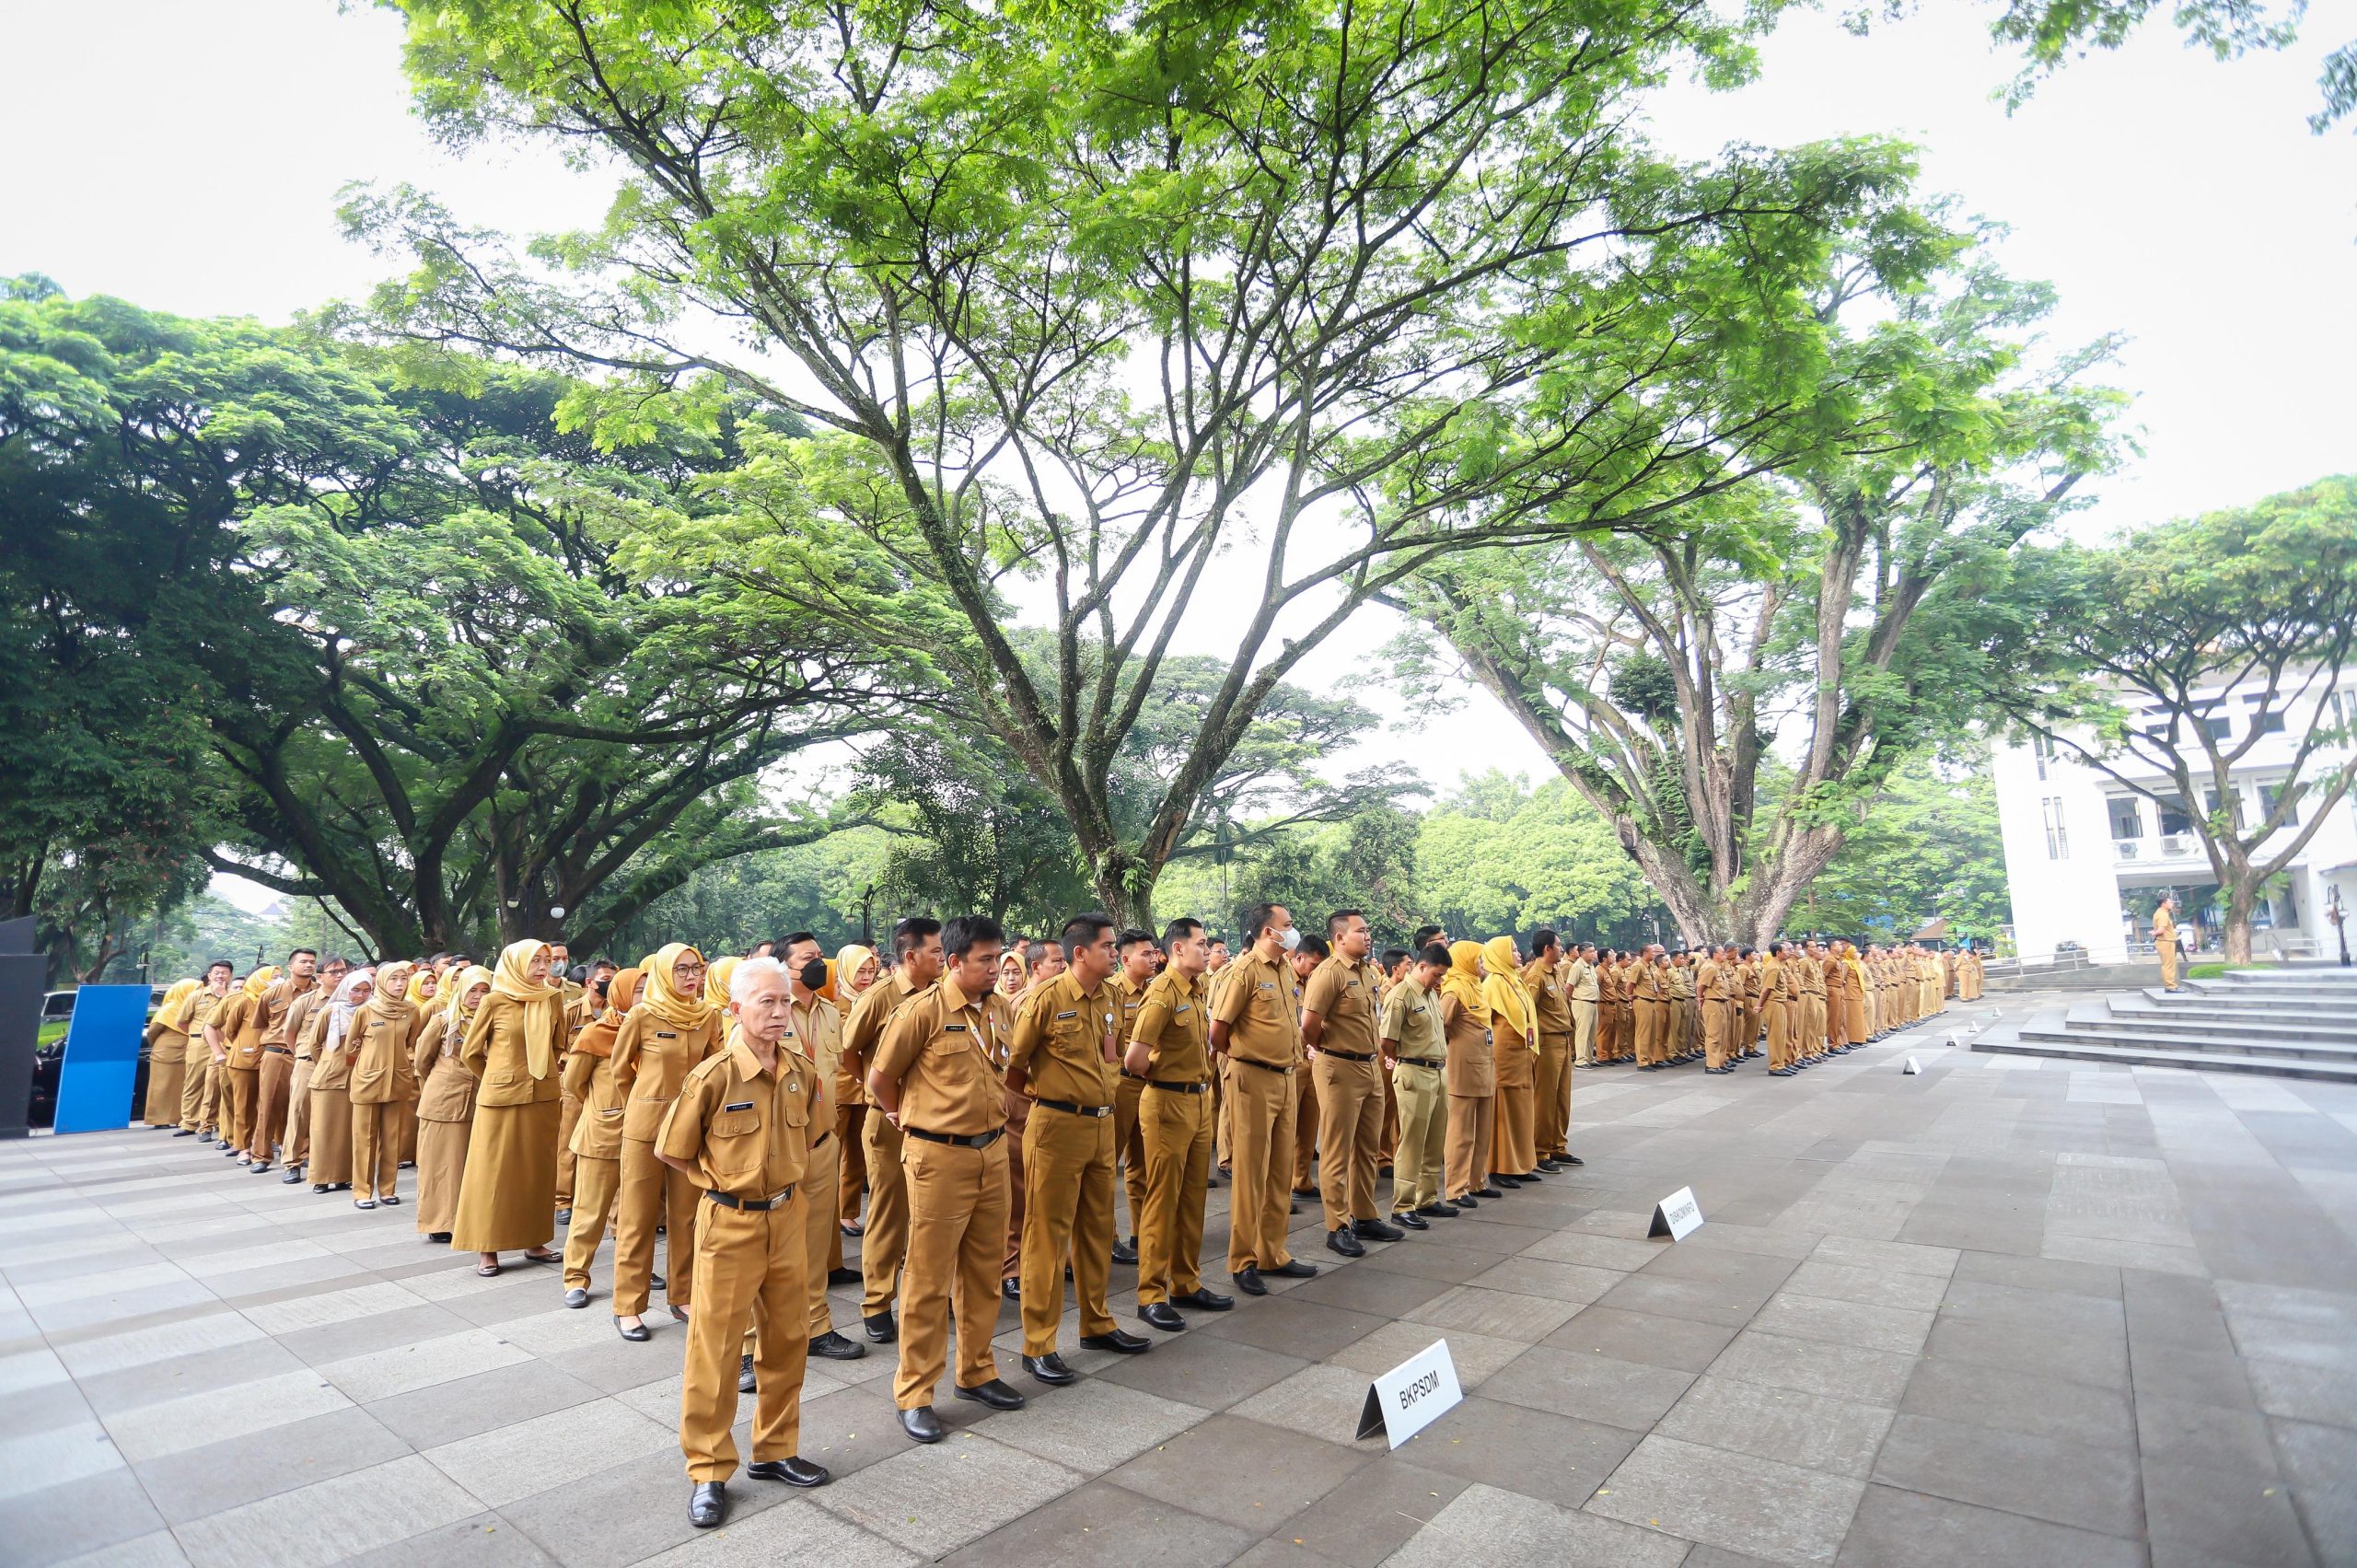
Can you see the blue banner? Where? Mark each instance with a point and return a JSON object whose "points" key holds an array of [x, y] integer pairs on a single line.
{"points": [[102, 1062]]}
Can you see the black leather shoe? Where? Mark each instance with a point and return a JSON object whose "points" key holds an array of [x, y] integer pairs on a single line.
{"points": [[1295, 1268], [1305, 1192], [656, 1282], [294, 1176], [185, 1133], [441, 1236], [1468, 1201], [796, 1472], [1119, 1341], [1293, 1208], [1011, 1289], [258, 1167], [576, 1297], [843, 1276], [1499, 1179], [1340, 1241], [994, 1393], [1548, 1165], [1163, 1316], [1208, 1300], [1568, 1159], [881, 1328], [321, 1187], [1049, 1369], [637, 1336], [1247, 1280], [921, 1424], [564, 1216], [1125, 1252], [1436, 1210], [707, 1504], [744, 1374], [1375, 1230], [831, 1346], [1408, 1220], [1483, 1192]]}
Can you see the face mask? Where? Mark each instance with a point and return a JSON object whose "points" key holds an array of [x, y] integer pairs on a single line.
{"points": [[1289, 937], [814, 975]]}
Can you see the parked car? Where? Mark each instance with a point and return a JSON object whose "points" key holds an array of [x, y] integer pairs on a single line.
{"points": [[48, 1056]]}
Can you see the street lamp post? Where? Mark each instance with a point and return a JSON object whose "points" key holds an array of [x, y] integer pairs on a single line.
{"points": [[2340, 919]]}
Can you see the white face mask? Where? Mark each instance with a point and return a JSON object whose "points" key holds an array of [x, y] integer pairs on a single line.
{"points": [[1289, 937]]}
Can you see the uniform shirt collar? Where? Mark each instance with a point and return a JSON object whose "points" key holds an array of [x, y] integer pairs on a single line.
{"points": [[740, 1055]]}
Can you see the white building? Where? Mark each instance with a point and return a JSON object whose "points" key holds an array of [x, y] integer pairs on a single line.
{"points": [[2087, 858]]}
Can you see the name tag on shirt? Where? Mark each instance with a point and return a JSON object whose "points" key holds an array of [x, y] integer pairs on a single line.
{"points": [[1268, 986], [740, 1105], [665, 1034], [1061, 1016], [952, 1028], [1182, 1007]]}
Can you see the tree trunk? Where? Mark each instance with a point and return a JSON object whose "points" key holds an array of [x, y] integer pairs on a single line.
{"points": [[1125, 887], [2242, 899]]}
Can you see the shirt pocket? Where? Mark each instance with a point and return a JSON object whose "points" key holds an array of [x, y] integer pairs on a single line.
{"points": [[732, 1143]]}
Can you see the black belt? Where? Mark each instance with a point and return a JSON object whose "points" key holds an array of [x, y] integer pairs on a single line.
{"points": [[1135, 1077], [752, 1205], [275, 1050], [1071, 1110], [1347, 1055], [1422, 1061], [1248, 1061], [1177, 1088], [962, 1140], [819, 1142]]}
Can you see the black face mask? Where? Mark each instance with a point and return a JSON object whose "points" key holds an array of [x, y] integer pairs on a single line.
{"points": [[814, 975]]}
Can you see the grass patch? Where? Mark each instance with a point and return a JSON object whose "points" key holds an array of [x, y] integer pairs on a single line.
{"points": [[2218, 971]]}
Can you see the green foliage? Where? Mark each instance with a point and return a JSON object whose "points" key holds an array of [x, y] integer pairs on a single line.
{"points": [[1929, 848]]}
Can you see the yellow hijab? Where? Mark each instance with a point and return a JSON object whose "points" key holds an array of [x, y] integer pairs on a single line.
{"points": [[262, 980], [454, 990], [416, 995], [543, 1004], [663, 999], [1503, 990], [1463, 981], [394, 999], [849, 961], [173, 1013]]}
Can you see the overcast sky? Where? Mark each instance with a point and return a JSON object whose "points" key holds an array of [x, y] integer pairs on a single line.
{"points": [[187, 157]]}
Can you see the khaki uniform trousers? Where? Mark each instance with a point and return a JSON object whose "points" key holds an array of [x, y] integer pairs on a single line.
{"points": [[1471, 1126], [1714, 1034], [1390, 1146], [597, 1184], [1067, 1212], [331, 1159], [2168, 964], [1305, 1128], [1681, 1028], [653, 1194], [299, 1113], [166, 1077], [749, 1271], [1554, 1088], [1649, 1022], [1128, 1146], [1018, 1182], [569, 1113], [272, 1090], [1780, 1042], [1424, 1137], [1175, 1128], [1349, 1131], [1812, 1025], [822, 1237], [956, 1223], [196, 1081], [885, 1246], [375, 1148], [1584, 1032], [851, 1174], [1261, 1131], [242, 1088]]}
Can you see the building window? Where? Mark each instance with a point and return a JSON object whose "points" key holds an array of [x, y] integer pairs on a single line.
{"points": [[2220, 729], [2058, 838], [2269, 723], [2041, 750], [2127, 818], [2269, 794], [2174, 819], [2234, 806]]}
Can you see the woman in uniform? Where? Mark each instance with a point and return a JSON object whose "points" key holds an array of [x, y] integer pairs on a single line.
{"points": [[507, 1196], [672, 1028], [1514, 1048], [330, 1163], [1471, 1079], [381, 1039], [168, 1055], [596, 1144], [445, 1104]]}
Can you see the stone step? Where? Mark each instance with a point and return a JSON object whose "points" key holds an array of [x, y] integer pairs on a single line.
{"points": [[2198, 1061], [2055, 1027], [2243, 1026], [2210, 1005], [2323, 977]]}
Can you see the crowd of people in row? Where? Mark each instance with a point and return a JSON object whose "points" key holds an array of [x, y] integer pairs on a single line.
{"points": [[967, 1106]]}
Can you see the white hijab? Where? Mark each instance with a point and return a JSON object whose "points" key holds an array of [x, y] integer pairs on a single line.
{"points": [[341, 1006]]}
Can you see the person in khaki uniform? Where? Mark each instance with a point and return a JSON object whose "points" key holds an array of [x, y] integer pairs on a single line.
{"points": [[1061, 1056], [671, 1028], [817, 1028], [1415, 1049], [1650, 989], [304, 1039], [1170, 1049], [328, 1163], [1775, 982], [739, 1131], [380, 1039], [1139, 962], [1543, 977], [936, 1081], [196, 1061], [917, 961], [1582, 987], [167, 1042], [2164, 939], [597, 1140], [1013, 985], [1302, 1087], [1257, 1031], [1338, 1022], [1514, 1048], [235, 1033], [856, 969], [1710, 991], [1471, 1077], [507, 1197], [446, 1103]]}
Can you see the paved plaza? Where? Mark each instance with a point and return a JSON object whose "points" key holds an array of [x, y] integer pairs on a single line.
{"points": [[2009, 1311]]}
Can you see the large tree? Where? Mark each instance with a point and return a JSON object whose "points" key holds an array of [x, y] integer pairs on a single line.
{"points": [[2208, 647], [1866, 604], [1107, 315]]}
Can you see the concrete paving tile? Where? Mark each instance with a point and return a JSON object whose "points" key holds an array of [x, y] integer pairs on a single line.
{"points": [[933, 1500], [2040, 1273], [2021, 1401], [329, 1520], [1476, 1356], [1766, 1240], [1594, 1251], [1877, 1288], [1374, 1513], [1490, 1441], [1433, 1258], [193, 1420], [50, 1524], [2159, 1259], [1559, 1281], [1593, 1387], [405, 1368], [155, 1550], [2192, 1433], [1705, 1301], [2090, 1489], [47, 1407], [2218, 1378], [1317, 1401], [614, 1515], [1212, 1373], [2038, 1311], [851, 1429], [1242, 1472], [1486, 1524], [1757, 1506], [1101, 1519], [376, 1332], [1750, 1272], [318, 1310], [1501, 1315], [1093, 1425], [96, 1356], [1678, 1343], [34, 1462], [1383, 1292], [514, 1461], [2319, 1462], [1856, 1373], [484, 1540], [1895, 1526], [1801, 1316], [1293, 1327], [2099, 1359], [194, 1483], [2329, 1348], [795, 1530], [1784, 1425], [445, 1413], [2317, 1309], [2198, 1515]]}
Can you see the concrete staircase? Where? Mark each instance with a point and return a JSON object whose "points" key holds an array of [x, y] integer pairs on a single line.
{"points": [[2298, 1022]]}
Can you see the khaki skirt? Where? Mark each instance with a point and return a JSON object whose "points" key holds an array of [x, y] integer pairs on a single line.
{"points": [[441, 1167], [507, 1192]]}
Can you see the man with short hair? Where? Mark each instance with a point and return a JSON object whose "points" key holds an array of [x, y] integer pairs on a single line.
{"points": [[304, 1039], [1138, 955], [274, 1082], [936, 1082], [1337, 1021], [1552, 1084], [1304, 962], [1170, 1049], [2164, 939], [1415, 1049], [200, 1088], [1585, 990], [916, 946], [1256, 1033], [818, 1027]]}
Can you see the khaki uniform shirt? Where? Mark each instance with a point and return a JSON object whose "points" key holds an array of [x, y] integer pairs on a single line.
{"points": [[1546, 988], [652, 1057], [817, 1031], [1472, 1069], [1175, 1030], [1581, 982], [1343, 993], [1256, 1002], [277, 1004], [745, 1128], [1062, 1036], [864, 1029], [1412, 1025], [942, 1045], [239, 1021], [299, 1032]]}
